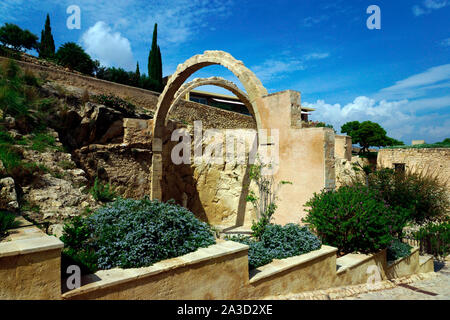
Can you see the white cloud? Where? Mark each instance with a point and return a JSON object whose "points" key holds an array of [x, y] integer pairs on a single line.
{"points": [[316, 56], [178, 20], [310, 21], [429, 6], [275, 69], [396, 117], [419, 84], [445, 42], [110, 48], [397, 108], [418, 11], [435, 4]]}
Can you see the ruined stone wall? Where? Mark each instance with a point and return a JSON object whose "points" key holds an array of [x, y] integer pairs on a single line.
{"points": [[428, 160], [215, 193], [343, 147]]}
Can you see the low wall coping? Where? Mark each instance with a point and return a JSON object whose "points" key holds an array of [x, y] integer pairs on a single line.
{"points": [[29, 245], [352, 260], [117, 276], [277, 265]]}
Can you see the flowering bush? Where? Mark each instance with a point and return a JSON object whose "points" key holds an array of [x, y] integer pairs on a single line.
{"points": [[353, 219], [134, 233], [279, 242]]}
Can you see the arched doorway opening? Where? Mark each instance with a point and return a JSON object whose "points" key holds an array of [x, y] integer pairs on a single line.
{"points": [[253, 86]]}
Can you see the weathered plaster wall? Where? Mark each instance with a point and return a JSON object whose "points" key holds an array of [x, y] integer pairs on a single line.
{"points": [[343, 147], [306, 155], [30, 265], [315, 270], [404, 266], [217, 272], [221, 272], [435, 161], [358, 268]]}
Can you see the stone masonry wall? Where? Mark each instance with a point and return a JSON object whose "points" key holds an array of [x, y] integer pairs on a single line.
{"points": [[428, 160]]}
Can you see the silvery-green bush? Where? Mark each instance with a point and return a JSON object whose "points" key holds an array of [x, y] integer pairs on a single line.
{"points": [[135, 233], [279, 242]]}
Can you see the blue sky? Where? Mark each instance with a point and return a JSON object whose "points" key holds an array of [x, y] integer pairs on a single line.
{"points": [[398, 76]]}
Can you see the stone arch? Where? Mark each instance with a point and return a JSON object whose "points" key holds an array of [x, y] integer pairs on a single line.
{"points": [[214, 81], [251, 83]]}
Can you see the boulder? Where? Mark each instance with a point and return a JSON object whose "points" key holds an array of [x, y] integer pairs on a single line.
{"points": [[8, 195]]}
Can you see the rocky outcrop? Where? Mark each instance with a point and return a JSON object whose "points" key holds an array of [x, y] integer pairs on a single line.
{"points": [[348, 171], [8, 195], [58, 194], [126, 168]]}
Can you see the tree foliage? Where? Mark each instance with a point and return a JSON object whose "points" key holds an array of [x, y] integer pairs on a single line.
{"points": [[368, 134], [73, 56], [14, 37], [155, 63], [355, 219], [47, 45]]}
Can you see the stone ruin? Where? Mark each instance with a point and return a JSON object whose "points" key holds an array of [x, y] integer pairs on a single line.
{"points": [[306, 155]]}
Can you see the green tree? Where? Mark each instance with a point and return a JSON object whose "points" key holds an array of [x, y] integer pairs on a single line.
{"points": [[73, 56], [14, 37], [368, 134], [136, 76], [47, 45], [138, 73], [155, 63]]}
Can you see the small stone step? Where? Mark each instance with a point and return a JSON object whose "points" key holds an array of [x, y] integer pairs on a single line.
{"points": [[426, 263], [233, 231]]}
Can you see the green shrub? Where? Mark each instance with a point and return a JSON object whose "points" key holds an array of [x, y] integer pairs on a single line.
{"points": [[421, 193], [279, 242], [258, 255], [7, 221], [43, 141], [264, 201], [435, 238], [10, 157], [135, 233], [77, 242], [5, 137], [398, 250], [66, 165], [12, 100], [101, 192], [29, 78], [354, 219], [73, 56], [289, 240]]}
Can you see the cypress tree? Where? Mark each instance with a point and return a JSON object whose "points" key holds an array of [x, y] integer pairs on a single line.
{"points": [[136, 76], [47, 46], [160, 74], [138, 73], [155, 62]]}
